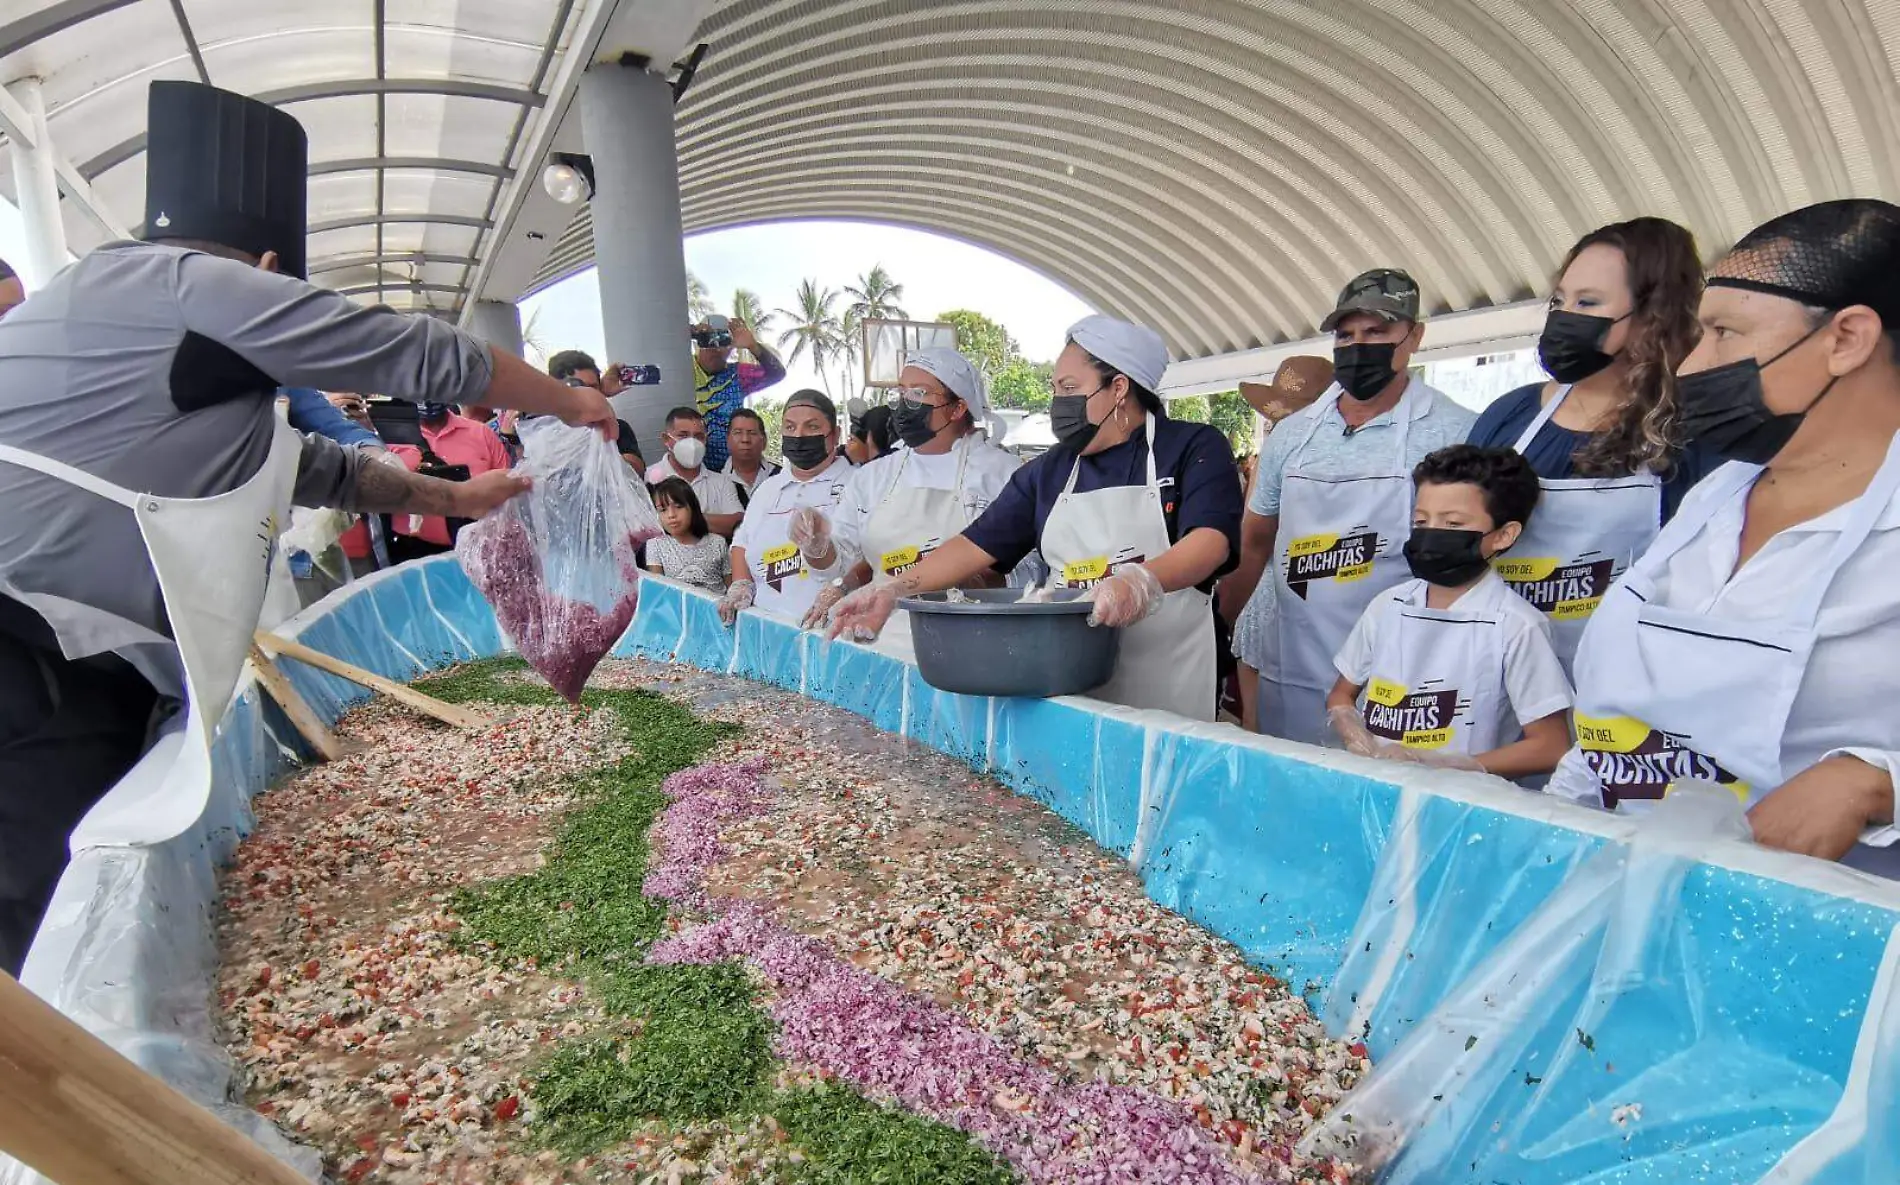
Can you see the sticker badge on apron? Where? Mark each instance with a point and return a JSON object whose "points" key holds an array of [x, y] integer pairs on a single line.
{"points": [[1414, 719], [1585, 534], [1633, 762], [1339, 558], [782, 563]]}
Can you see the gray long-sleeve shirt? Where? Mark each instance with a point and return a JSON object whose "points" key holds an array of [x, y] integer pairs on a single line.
{"points": [[156, 369]]}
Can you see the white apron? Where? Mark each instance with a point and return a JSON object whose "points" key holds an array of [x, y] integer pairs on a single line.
{"points": [[213, 558], [910, 523], [1340, 544], [1584, 535], [1437, 679], [1664, 694], [1168, 661], [786, 586]]}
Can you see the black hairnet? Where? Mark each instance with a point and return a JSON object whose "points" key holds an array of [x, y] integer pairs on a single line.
{"points": [[1831, 255]]}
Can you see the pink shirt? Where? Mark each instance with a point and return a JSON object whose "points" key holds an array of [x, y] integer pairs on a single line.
{"points": [[458, 441]]}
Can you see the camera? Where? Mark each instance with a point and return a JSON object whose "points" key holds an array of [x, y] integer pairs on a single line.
{"points": [[639, 376], [716, 336]]}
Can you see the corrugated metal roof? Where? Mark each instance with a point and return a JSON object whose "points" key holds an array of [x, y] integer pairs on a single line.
{"points": [[1217, 168]]}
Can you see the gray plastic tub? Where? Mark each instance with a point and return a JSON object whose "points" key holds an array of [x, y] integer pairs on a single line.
{"points": [[994, 644]]}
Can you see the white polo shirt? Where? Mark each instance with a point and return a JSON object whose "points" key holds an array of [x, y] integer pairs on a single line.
{"points": [[716, 492]]}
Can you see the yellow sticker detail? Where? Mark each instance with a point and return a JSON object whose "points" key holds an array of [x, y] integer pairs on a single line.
{"points": [[1437, 738], [1528, 570], [1576, 610], [1085, 571], [1611, 734], [1385, 692], [897, 561], [1355, 572], [779, 554], [1311, 545]]}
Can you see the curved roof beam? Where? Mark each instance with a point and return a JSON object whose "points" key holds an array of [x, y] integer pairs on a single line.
{"points": [[436, 164], [130, 147], [389, 288], [35, 26], [344, 223], [345, 262]]}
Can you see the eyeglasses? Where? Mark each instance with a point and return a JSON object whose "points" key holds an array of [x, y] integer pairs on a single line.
{"points": [[920, 397]]}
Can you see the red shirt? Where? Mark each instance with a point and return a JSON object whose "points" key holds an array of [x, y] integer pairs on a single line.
{"points": [[458, 441]]}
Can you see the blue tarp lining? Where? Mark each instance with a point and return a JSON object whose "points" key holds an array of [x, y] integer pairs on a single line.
{"points": [[1379, 891]]}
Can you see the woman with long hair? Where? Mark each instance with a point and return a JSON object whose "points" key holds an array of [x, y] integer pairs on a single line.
{"points": [[1752, 644], [1603, 433]]}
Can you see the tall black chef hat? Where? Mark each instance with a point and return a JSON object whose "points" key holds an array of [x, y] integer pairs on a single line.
{"points": [[227, 169]]}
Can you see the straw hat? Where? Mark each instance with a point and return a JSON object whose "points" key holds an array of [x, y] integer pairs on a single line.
{"points": [[1297, 383]]}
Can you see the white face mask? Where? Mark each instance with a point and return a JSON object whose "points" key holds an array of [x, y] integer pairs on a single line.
{"points": [[689, 452]]}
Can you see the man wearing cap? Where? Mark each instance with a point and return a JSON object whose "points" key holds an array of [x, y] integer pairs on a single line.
{"points": [[783, 554], [146, 474], [1332, 504], [901, 507], [1140, 510]]}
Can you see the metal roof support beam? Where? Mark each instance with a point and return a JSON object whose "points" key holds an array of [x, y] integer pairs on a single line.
{"points": [[126, 149], [364, 289], [364, 164], [36, 185], [21, 129], [344, 263], [17, 35], [317, 228]]}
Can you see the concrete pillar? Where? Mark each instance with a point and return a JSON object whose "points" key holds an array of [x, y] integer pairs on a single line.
{"points": [[498, 322], [37, 187], [627, 122]]}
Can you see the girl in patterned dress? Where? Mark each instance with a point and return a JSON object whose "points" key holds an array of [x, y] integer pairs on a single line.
{"points": [[689, 552]]}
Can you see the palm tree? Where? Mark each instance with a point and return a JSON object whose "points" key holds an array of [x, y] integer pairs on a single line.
{"points": [[815, 327], [699, 304], [876, 295], [747, 307], [850, 348]]}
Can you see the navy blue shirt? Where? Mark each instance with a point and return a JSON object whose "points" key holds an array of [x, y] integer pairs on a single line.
{"points": [[1200, 487], [1551, 450]]}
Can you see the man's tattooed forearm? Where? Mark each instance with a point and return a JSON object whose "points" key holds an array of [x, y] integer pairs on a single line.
{"points": [[385, 489]]}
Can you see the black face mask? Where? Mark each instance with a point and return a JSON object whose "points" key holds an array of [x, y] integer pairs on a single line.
{"points": [[805, 452], [1364, 370], [1069, 420], [1446, 558], [1723, 408], [1571, 347], [911, 422]]}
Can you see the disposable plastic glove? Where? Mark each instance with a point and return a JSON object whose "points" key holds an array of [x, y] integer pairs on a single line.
{"points": [[820, 610], [1350, 728], [811, 530], [1132, 594], [739, 597], [863, 613], [1436, 759]]}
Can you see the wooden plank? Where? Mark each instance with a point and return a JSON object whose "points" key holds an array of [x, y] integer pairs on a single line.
{"points": [[309, 725], [80, 1114], [448, 713]]}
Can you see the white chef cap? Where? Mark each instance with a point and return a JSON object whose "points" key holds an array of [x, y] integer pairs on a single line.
{"points": [[958, 375], [1135, 350]]}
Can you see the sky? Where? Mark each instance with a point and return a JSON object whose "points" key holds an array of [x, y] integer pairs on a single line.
{"points": [[938, 274]]}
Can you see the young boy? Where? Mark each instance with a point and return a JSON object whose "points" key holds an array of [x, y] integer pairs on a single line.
{"points": [[1453, 668]]}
